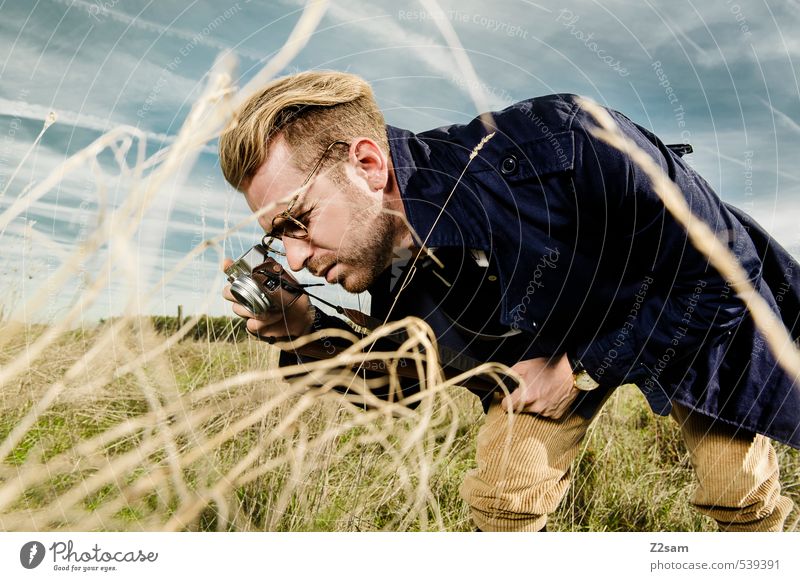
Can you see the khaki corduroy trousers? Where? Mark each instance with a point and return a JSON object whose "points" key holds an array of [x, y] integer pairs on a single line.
{"points": [[523, 471]]}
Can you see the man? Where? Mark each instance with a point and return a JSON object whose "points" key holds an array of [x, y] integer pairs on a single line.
{"points": [[553, 255]]}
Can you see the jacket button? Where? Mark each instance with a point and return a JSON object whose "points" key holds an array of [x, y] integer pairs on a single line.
{"points": [[509, 165]]}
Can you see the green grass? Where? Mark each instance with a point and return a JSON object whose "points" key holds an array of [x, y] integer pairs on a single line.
{"points": [[632, 473]]}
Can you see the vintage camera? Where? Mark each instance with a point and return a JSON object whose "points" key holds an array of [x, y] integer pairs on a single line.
{"points": [[259, 283]]}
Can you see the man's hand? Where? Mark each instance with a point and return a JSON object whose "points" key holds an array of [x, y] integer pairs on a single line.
{"points": [[293, 322], [548, 388]]}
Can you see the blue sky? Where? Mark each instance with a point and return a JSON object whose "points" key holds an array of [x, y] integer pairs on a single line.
{"points": [[721, 74]]}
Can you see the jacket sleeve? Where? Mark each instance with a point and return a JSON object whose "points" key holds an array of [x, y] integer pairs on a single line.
{"points": [[321, 321], [408, 386], [683, 303]]}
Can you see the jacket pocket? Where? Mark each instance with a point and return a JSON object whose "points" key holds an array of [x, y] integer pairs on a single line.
{"points": [[519, 161]]}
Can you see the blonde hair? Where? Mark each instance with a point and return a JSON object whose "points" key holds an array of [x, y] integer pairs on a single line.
{"points": [[311, 110]]}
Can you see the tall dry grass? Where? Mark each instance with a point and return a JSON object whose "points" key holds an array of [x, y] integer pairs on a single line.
{"points": [[119, 428], [206, 435], [236, 448]]}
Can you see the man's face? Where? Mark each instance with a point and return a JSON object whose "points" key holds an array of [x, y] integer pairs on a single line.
{"points": [[350, 237]]}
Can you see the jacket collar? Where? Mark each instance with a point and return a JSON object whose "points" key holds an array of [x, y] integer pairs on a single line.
{"points": [[425, 177]]}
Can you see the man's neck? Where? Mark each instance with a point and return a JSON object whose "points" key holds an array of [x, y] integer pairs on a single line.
{"points": [[394, 201]]}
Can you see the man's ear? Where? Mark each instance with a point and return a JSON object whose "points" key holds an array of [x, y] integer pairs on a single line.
{"points": [[369, 162]]}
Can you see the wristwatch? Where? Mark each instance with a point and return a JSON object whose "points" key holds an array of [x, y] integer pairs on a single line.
{"points": [[583, 381]]}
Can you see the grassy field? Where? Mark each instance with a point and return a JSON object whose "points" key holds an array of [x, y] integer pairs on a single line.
{"points": [[119, 428], [155, 448]]}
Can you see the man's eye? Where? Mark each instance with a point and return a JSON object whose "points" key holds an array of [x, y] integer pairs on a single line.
{"points": [[297, 226], [291, 230], [277, 229]]}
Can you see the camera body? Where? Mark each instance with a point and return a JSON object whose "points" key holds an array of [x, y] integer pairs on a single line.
{"points": [[260, 284]]}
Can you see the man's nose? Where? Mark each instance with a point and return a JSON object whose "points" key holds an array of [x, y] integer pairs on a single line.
{"points": [[297, 252]]}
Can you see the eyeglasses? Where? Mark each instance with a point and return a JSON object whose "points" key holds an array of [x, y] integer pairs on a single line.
{"points": [[294, 228]]}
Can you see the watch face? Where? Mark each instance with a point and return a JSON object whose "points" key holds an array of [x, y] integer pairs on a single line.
{"points": [[584, 382]]}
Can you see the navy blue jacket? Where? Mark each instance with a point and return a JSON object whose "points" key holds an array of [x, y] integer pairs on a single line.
{"points": [[583, 258]]}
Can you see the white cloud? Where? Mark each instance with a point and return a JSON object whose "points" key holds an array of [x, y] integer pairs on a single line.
{"points": [[780, 219], [430, 50], [102, 12], [783, 117], [68, 118], [104, 88], [94, 90], [729, 32]]}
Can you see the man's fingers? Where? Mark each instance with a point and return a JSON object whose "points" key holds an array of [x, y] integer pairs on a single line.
{"points": [[269, 318], [226, 263], [517, 406], [226, 293], [520, 401], [535, 408], [261, 329], [512, 401], [255, 327], [243, 312]]}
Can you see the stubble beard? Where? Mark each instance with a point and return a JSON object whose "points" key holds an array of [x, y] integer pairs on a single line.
{"points": [[368, 247], [369, 253]]}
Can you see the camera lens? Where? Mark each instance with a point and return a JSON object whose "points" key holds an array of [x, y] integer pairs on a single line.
{"points": [[247, 293]]}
